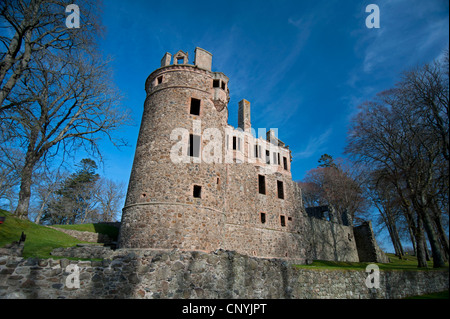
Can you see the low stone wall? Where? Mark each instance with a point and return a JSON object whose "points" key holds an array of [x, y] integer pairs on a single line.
{"points": [[13, 249], [189, 274], [366, 243], [88, 251], [85, 235]]}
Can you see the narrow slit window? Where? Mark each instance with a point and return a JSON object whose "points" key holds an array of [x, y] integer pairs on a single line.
{"points": [[285, 163], [234, 142], [195, 106], [282, 221], [280, 189], [262, 217], [279, 162], [194, 145], [268, 157], [262, 184], [223, 85], [256, 151], [197, 191]]}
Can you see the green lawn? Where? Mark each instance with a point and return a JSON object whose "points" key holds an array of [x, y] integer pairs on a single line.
{"points": [[436, 295], [410, 263], [42, 240]]}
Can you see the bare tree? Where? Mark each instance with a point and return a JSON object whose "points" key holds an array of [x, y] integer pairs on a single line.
{"points": [[385, 198], [32, 28], [335, 183], [394, 133], [110, 199], [10, 163], [67, 102], [45, 185]]}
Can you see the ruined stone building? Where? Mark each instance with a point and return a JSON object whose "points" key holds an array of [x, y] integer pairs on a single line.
{"points": [[198, 183]]}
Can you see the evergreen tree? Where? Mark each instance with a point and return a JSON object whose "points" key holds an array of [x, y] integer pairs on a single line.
{"points": [[74, 201]]}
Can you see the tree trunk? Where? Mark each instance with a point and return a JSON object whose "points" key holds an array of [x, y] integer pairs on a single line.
{"points": [[421, 257], [411, 226], [25, 191], [31, 158], [440, 231], [438, 259]]}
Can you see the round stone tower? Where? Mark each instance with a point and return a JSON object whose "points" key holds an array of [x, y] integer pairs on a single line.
{"points": [[174, 200]]}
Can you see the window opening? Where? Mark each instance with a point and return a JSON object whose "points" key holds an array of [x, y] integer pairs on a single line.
{"points": [[197, 191], [262, 184], [263, 218], [194, 145], [195, 106], [282, 221], [280, 189]]}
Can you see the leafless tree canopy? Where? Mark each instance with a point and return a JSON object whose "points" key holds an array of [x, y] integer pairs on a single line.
{"points": [[402, 135], [338, 184], [63, 97], [33, 27]]}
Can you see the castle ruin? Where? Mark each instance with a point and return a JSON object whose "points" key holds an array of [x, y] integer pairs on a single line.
{"points": [[199, 184]]}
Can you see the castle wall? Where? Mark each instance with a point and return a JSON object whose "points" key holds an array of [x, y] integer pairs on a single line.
{"points": [[366, 243], [150, 274], [331, 241], [245, 230]]}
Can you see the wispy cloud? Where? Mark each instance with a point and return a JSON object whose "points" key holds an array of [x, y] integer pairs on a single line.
{"points": [[314, 146], [402, 28]]}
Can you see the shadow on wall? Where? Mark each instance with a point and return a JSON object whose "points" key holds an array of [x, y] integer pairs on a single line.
{"points": [[332, 241], [189, 275]]}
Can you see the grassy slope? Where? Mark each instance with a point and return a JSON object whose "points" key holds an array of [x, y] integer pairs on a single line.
{"points": [[40, 240], [111, 231]]}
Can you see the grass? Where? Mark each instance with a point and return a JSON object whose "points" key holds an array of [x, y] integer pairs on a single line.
{"points": [[436, 295], [41, 240], [111, 231], [409, 264]]}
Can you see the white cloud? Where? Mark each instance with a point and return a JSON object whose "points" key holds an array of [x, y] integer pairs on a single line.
{"points": [[314, 146]]}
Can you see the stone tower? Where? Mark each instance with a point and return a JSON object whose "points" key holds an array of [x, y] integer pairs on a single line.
{"points": [[171, 204]]}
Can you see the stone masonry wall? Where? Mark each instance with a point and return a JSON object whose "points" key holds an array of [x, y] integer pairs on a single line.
{"points": [[331, 241], [178, 274], [368, 249], [85, 235]]}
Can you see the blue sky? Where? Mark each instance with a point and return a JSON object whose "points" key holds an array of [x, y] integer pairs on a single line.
{"points": [[305, 66]]}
